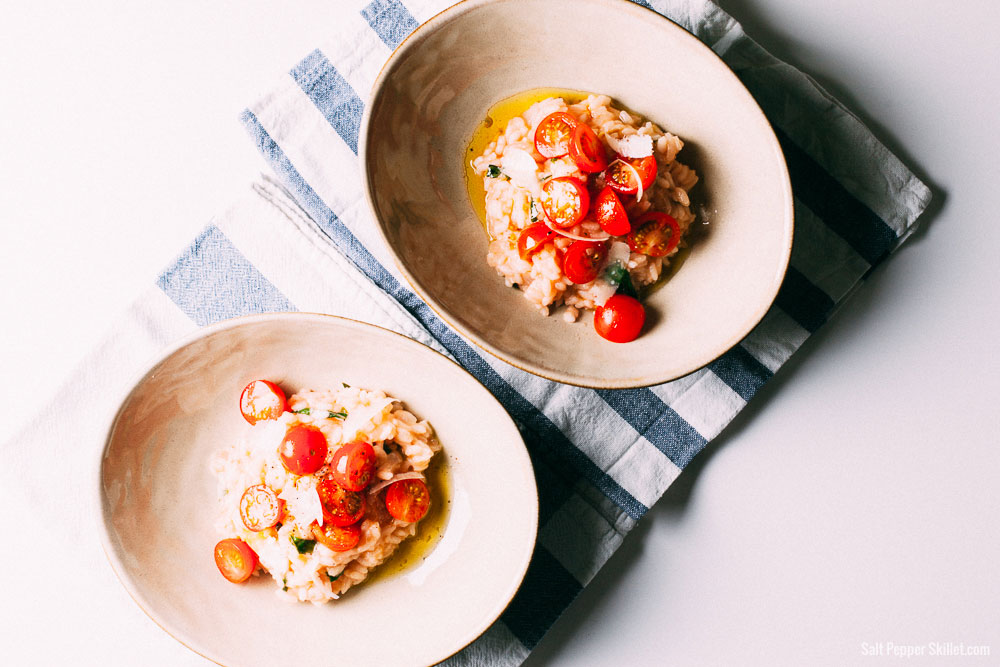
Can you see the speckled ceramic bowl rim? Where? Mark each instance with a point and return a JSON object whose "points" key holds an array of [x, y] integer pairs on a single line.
{"points": [[441, 19], [100, 514]]}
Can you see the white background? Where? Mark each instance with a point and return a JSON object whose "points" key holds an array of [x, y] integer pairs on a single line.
{"points": [[856, 499]]}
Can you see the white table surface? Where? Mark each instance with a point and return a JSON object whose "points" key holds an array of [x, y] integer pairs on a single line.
{"points": [[854, 501]]}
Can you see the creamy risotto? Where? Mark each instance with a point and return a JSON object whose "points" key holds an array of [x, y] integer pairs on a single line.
{"points": [[321, 489], [582, 201]]}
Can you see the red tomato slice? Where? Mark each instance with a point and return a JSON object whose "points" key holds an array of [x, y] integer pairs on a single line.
{"points": [[235, 559], [587, 151], [554, 134], [260, 507], [566, 201], [620, 319], [655, 234], [610, 213], [582, 261], [340, 506], [532, 239], [622, 180], [408, 500], [262, 399], [353, 465], [338, 538], [303, 450]]}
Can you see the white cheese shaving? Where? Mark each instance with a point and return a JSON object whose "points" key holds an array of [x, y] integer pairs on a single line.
{"points": [[302, 502], [634, 146], [618, 253], [522, 169]]}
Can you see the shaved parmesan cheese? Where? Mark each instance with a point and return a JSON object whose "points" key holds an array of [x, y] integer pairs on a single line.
{"points": [[633, 146], [522, 169], [604, 289], [302, 502]]}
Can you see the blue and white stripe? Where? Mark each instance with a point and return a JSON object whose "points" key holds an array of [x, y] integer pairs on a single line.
{"points": [[602, 458]]}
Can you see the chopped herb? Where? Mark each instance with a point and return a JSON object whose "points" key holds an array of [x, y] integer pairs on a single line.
{"points": [[545, 178], [333, 577], [614, 273], [493, 171], [303, 546], [284, 584], [618, 275], [329, 415], [346, 386], [533, 210], [627, 288]]}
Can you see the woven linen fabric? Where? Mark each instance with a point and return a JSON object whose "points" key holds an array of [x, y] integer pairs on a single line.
{"points": [[304, 240]]}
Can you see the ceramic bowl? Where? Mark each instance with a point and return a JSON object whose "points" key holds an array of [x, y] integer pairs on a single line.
{"points": [[157, 495], [437, 87]]}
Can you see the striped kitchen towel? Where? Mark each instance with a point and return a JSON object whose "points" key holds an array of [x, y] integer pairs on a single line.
{"points": [[304, 240], [601, 457]]}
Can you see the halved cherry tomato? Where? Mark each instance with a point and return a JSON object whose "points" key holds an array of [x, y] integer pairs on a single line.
{"points": [[532, 239], [566, 201], [610, 213], [582, 260], [408, 500], [620, 319], [587, 151], [303, 450], [235, 559], [340, 506], [260, 507], [262, 399], [654, 234], [622, 180], [554, 134], [353, 465], [338, 538]]}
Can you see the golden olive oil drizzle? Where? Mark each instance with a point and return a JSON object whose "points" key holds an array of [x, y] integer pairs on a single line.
{"points": [[493, 125], [414, 549]]}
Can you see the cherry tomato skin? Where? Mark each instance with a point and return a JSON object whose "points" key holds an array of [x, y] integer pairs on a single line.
{"points": [[532, 239], [262, 399], [260, 507], [566, 201], [620, 319], [340, 506], [582, 261], [353, 465], [554, 134], [655, 234], [587, 151], [303, 450], [337, 538], [622, 180], [408, 500], [610, 213], [235, 559]]}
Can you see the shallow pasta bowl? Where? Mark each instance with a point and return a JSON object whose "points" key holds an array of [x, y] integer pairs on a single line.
{"points": [[156, 499], [438, 86]]}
